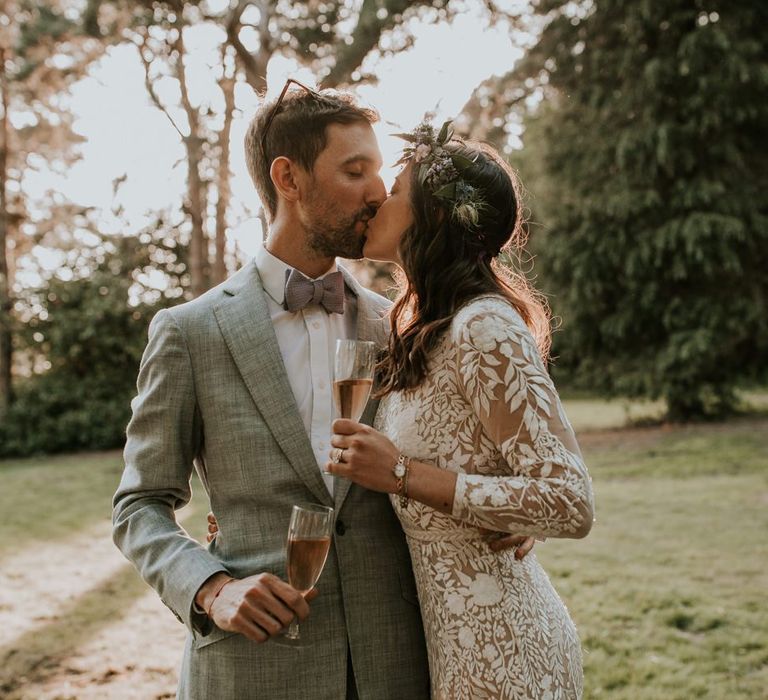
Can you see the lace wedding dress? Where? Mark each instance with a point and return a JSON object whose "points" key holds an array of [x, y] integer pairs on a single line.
{"points": [[495, 627]]}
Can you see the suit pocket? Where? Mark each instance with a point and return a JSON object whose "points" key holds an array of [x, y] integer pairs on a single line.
{"points": [[216, 635]]}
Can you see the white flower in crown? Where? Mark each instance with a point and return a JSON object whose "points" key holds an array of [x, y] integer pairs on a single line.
{"points": [[421, 152]]}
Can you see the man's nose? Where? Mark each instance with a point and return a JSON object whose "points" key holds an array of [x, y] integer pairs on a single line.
{"points": [[376, 194]]}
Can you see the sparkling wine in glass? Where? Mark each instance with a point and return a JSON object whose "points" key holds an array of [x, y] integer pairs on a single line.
{"points": [[309, 539], [353, 369]]}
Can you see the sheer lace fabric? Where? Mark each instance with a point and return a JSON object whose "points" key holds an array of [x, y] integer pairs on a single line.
{"points": [[495, 626]]}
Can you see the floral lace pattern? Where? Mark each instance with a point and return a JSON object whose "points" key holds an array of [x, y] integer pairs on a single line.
{"points": [[495, 627]]}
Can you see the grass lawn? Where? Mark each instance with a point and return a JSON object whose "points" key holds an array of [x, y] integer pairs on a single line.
{"points": [[668, 591], [48, 499], [588, 413]]}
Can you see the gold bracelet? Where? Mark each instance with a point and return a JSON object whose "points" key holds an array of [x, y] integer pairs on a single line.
{"points": [[404, 496]]}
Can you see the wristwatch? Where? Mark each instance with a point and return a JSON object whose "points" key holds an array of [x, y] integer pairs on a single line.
{"points": [[400, 470]]}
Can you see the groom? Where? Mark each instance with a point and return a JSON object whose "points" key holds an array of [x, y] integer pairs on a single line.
{"points": [[238, 383]]}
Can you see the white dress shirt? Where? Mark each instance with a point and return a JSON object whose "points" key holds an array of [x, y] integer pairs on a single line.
{"points": [[307, 342]]}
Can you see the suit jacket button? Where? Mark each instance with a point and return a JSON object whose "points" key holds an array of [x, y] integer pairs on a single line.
{"points": [[341, 528]]}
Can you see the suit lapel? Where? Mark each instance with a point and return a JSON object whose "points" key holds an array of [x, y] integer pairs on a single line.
{"points": [[244, 320]]}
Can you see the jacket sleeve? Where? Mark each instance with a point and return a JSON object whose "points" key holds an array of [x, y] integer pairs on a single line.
{"points": [[547, 491], [163, 439]]}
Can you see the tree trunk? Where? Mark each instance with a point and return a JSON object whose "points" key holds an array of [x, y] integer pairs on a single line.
{"points": [[6, 350], [224, 191], [196, 194], [254, 65]]}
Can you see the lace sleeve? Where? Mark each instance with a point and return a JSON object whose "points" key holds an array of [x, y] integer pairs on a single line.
{"points": [[548, 492]]}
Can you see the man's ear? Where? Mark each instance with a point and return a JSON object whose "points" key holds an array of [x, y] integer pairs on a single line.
{"points": [[286, 177]]}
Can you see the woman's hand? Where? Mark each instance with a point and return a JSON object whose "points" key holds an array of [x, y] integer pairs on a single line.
{"points": [[367, 458], [500, 541], [213, 528]]}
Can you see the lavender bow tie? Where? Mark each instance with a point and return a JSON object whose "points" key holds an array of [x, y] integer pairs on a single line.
{"points": [[300, 291]]}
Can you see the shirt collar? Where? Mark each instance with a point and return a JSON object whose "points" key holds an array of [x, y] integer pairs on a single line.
{"points": [[272, 272]]}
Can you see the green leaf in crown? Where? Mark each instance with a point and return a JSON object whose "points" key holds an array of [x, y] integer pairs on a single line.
{"points": [[461, 162], [446, 133]]}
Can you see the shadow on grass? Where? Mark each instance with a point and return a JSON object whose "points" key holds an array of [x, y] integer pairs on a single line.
{"points": [[39, 653]]}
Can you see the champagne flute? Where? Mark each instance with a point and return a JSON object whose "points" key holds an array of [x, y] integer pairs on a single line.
{"points": [[353, 369], [309, 540]]}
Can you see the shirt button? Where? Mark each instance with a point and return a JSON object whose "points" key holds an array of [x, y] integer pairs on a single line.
{"points": [[316, 324], [321, 385], [320, 445]]}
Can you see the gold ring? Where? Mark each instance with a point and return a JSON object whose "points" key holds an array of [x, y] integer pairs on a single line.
{"points": [[336, 458]]}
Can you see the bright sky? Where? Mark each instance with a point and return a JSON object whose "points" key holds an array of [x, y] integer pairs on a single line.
{"points": [[128, 136]]}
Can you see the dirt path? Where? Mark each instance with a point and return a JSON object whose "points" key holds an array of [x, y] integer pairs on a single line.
{"points": [[77, 623]]}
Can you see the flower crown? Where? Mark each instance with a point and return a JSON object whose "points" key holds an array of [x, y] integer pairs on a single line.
{"points": [[440, 173]]}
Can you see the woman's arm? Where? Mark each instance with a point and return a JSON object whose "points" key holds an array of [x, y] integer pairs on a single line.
{"points": [[547, 492], [369, 458]]}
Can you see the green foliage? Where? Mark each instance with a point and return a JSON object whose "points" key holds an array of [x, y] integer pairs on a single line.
{"points": [[650, 167], [56, 413], [88, 333]]}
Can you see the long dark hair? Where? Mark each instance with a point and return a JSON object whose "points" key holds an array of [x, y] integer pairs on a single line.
{"points": [[447, 264]]}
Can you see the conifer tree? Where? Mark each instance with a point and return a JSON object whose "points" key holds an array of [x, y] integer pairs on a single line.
{"points": [[648, 163]]}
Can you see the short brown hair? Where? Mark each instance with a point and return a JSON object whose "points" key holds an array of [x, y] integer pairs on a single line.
{"points": [[297, 131]]}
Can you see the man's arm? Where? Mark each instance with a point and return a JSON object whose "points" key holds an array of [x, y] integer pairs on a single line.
{"points": [[163, 438]]}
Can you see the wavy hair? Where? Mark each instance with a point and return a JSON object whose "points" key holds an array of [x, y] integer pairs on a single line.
{"points": [[447, 264]]}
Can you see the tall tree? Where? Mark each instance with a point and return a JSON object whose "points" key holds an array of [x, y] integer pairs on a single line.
{"points": [[6, 354], [42, 52], [650, 167], [223, 189], [332, 38]]}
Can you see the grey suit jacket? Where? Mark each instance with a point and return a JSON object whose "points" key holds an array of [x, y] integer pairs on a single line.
{"points": [[213, 393]]}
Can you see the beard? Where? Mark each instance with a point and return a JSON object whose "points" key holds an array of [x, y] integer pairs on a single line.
{"points": [[338, 238], [333, 236]]}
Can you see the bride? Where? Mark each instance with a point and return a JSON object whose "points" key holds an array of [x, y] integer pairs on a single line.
{"points": [[470, 432]]}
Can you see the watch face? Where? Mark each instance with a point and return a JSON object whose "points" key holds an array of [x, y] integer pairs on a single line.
{"points": [[399, 471]]}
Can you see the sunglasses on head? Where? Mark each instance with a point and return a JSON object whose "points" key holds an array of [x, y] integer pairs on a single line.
{"points": [[273, 112]]}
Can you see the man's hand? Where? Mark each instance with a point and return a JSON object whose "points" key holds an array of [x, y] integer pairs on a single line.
{"points": [[498, 542], [258, 607]]}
